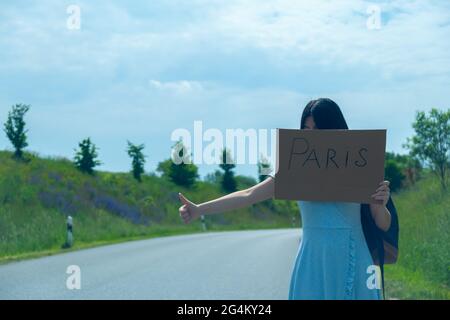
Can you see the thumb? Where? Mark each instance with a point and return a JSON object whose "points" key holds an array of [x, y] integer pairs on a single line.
{"points": [[183, 199]]}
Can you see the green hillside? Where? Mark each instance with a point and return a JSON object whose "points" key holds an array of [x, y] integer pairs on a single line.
{"points": [[423, 268], [36, 197]]}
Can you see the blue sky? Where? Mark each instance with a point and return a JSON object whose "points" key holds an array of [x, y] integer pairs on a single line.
{"points": [[138, 70]]}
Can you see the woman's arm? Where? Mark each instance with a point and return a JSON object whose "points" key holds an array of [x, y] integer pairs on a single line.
{"points": [[380, 213], [239, 199]]}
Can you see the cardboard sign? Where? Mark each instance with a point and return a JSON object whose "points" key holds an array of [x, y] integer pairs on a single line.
{"points": [[329, 165]]}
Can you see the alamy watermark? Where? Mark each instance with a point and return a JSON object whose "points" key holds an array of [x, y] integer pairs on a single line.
{"points": [[374, 279], [73, 281], [245, 146], [373, 22], [73, 21]]}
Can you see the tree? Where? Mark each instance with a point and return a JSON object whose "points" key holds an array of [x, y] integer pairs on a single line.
{"points": [[179, 168], [264, 168], [227, 165], [138, 159], [244, 182], [393, 173], [431, 142], [401, 170], [86, 157], [164, 168], [214, 177], [15, 128]]}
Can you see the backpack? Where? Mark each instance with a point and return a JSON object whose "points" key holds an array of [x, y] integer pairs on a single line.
{"points": [[383, 245]]}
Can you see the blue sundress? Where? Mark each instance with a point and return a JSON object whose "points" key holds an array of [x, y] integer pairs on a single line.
{"points": [[333, 261]]}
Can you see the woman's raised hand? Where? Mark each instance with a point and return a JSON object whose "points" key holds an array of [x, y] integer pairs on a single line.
{"points": [[189, 210], [382, 193]]}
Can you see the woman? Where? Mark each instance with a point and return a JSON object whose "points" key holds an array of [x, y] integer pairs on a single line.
{"points": [[333, 260]]}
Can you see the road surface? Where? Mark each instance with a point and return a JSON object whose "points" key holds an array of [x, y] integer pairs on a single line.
{"points": [[219, 265]]}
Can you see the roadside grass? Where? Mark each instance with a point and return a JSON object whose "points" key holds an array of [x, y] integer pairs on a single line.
{"points": [[405, 284], [423, 267]]}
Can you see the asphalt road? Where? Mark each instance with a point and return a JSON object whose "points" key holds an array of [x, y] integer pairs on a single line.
{"points": [[220, 265]]}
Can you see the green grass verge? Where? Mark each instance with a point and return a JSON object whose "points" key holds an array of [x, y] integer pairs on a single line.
{"points": [[406, 284], [423, 268]]}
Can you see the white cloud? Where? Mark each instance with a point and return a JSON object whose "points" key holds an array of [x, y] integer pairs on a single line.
{"points": [[411, 40], [177, 87]]}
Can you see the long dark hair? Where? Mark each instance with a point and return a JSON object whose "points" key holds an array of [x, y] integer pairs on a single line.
{"points": [[326, 114]]}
